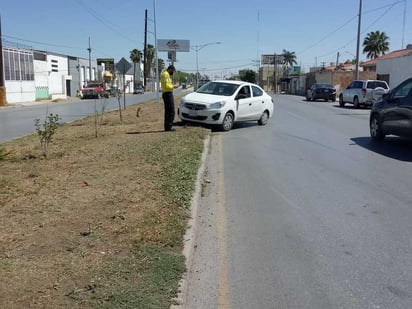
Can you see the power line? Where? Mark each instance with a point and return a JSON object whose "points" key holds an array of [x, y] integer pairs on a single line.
{"points": [[389, 6]]}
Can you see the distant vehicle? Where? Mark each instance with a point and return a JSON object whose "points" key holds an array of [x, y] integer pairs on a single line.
{"points": [[363, 92], [115, 91], [321, 91], [184, 86], [222, 103], [94, 90], [393, 114], [138, 90]]}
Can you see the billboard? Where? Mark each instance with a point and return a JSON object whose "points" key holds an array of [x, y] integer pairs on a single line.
{"points": [[173, 45], [269, 59], [108, 63]]}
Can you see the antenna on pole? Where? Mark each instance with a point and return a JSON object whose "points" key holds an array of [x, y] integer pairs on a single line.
{"points": [[90, 61]]}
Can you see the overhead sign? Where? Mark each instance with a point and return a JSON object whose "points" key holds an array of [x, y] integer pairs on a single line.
{"points": [[173, 45], [108, 63], [123, 66], [270, 59]]}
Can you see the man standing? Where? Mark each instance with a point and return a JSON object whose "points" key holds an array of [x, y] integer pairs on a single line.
{"points": [[167, 95]]}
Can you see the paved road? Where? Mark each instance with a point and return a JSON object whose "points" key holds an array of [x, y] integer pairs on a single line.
{"points": [[17, 120], [305, 212]]}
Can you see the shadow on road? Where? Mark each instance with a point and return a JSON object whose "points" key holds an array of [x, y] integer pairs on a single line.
{"points": [[392, 147]]}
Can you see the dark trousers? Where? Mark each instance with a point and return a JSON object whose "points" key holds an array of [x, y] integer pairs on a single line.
{"points": [[169, 110]]}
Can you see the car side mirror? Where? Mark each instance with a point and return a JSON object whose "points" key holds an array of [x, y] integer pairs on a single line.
{"points": [[386, 96]]}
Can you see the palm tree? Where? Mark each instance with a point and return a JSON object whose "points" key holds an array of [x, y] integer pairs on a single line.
{"points": [[375, 44], [149, 61], [135, 56], [161, 64], [289, 58]]}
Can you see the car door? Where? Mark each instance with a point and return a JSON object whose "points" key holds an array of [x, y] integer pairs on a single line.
{"points": [[397, 113], [347, 93], [244, 103]]}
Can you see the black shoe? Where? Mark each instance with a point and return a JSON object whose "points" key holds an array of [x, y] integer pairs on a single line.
{"points": [[170, 130]]}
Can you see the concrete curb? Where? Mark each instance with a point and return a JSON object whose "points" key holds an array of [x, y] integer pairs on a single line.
{"points": [[189, 238]]}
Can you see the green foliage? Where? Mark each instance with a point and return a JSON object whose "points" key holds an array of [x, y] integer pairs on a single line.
{"points": [[248, 76], [46, 131], [289, 58], [375, 44], [147, 278]]}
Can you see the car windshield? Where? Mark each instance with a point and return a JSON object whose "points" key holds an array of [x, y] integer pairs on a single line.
{"points": [[324, 86], [376, 84], [218, 88], [93, 85]]}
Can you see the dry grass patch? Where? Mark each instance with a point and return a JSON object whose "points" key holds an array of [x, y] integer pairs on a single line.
{"points": [[99, 224]]}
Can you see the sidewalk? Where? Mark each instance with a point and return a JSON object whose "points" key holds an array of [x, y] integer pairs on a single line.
{"points": [[23, 104]]}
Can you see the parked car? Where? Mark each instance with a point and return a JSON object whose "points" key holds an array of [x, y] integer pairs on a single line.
{"points": [[321, 91], [363, 92], [393, 114], [138, 90], [222, 103], [94, 90]]}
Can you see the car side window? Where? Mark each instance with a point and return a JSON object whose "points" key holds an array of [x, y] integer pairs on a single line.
{"points": [[358, 84], [245, 91], [256, 91], [351, 85], [403, 91]]}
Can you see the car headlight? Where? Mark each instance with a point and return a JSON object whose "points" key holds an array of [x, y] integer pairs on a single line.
{"points": [[182, 102], [217, 105]]}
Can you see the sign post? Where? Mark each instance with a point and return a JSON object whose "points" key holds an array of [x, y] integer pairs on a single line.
{"points": [[123, 66]]}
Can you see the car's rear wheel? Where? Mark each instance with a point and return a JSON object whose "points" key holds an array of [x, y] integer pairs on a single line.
{"points": [[264, 118], [376, 128], [356, 102], [227, 123], [341, 103]]}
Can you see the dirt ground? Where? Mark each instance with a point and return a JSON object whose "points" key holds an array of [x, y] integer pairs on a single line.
{"points": [[72, 227]]}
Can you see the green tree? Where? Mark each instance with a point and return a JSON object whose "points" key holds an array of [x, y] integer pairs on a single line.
{"points": [[247, 76], [375, 44], [160, 64], [135, 56], [289, 58], [150, 51]]}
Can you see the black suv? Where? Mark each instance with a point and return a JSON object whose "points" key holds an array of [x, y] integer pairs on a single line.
{"points": [[393, 115]]}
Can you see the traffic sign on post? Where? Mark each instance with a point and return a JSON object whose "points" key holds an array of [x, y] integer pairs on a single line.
{"points": [[123, 66]]}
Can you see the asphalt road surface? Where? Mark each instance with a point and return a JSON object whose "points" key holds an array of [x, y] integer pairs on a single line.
{"points": [[305, 212], [18, 120]]}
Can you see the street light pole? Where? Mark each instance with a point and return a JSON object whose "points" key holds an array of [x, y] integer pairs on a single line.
{"points": [[358, 41], [196, 48]]}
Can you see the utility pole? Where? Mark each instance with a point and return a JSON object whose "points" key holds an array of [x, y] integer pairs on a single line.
{"points": [[358, 41], [90, 61], [3, 99], [337, 61], [274, 73], [145, 50]]}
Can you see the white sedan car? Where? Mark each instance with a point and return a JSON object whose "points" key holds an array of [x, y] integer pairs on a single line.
{"points": [[222, 103]]}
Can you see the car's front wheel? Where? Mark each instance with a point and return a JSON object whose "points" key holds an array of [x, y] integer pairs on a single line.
{"points": [[356, 102], [341, 103], [227, 123], [376, 128], [264, 118]]}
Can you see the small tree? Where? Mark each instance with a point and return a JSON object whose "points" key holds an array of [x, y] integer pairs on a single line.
{"points": [[46, 131]]}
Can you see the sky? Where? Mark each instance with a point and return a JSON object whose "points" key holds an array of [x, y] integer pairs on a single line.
{"points": [[316, 31]]}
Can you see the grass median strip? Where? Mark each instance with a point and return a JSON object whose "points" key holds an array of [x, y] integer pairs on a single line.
{"points": [[100, 222]]}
